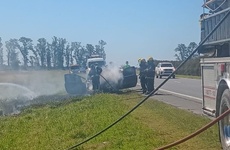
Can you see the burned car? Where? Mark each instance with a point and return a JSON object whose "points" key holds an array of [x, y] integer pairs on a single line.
{"points": [[112, 79]]}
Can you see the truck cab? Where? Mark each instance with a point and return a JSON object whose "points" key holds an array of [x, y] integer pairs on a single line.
{"points": [[95, 60]]}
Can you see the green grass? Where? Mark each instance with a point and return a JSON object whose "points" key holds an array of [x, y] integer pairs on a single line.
{"points": [[59, 125]]}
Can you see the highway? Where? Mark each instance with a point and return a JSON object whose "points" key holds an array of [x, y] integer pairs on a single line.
{"points": [[182, 86], [182, 93]]}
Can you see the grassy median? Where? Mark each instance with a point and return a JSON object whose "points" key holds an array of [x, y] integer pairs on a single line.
{"points": [[60, 125]]}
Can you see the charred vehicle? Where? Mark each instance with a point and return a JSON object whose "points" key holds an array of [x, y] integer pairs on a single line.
{"points": [[112, 78]]}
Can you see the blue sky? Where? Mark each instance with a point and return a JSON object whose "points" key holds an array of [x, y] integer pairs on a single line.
{"points": [[132, 29]]}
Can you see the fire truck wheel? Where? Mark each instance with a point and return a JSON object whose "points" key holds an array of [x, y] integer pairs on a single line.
{"points": [[224, 124]]}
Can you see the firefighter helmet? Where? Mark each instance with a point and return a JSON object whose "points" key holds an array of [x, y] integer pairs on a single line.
{"points": [[143, 60], [150, 59], [139, 60]]}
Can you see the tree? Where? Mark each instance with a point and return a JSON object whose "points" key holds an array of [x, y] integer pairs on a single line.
{"points": [[35, 58], [82, 56], [97, 49], [32, 61], [184, 52], [54, 51], [48, 56], [60, 52], [90, 49], [41, 51], [12, 55], [1, 53], [68, 55], [100, 49], [70, 50], [57, 52], [181, 49], [14, 63], [24, 49], [75, 48], [191, 47]]}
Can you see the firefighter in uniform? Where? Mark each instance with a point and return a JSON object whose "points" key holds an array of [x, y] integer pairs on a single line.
{"points": [[94, 75], [126, 65], [139, 61], [142, 75], [150, 75]]}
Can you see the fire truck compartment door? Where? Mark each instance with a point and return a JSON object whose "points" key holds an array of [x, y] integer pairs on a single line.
{"points": [[209, 86]]}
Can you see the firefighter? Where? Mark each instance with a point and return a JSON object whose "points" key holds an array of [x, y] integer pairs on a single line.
{"points": [[94, 75], [142, 75], [139, 61], [150, 75], [126, 65]]}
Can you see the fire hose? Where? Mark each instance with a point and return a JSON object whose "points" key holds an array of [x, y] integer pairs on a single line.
{"points": [[86, 80], [154, 91], [197, 132], [108, 83]]}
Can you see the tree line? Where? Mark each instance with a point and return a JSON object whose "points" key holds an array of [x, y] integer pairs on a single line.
{"points": [[192, 66], [44, 55], [60, 54]]}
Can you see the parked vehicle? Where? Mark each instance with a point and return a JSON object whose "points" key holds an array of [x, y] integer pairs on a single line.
{"points": [[215, 65], [164, 69]]}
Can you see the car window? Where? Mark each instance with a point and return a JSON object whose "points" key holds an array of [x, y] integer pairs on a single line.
{"points": [[99, 63], [74, 67], [166, 65], [129, 71]]}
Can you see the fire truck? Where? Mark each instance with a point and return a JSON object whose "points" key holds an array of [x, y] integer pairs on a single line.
{"points": [[215, 63]]}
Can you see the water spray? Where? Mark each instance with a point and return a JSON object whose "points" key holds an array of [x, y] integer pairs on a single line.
{"points": [[14, 96]]}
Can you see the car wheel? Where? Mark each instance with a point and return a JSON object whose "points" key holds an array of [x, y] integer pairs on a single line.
{"points": [[174, 76], [224, 124], [156, 76], [160, 76]]}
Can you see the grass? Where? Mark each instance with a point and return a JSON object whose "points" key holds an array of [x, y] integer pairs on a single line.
{"points": [[62, 124]]}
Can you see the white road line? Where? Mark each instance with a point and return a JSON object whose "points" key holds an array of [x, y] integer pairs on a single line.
{"points": [[183, 95], [192, 97]]}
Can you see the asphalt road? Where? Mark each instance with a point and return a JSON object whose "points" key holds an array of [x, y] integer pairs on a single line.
{"points": [[188, 87], [180, 92]]}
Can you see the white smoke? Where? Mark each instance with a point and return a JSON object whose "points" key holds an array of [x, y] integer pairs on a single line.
{"points": [[47, 82], [113, 74]]}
